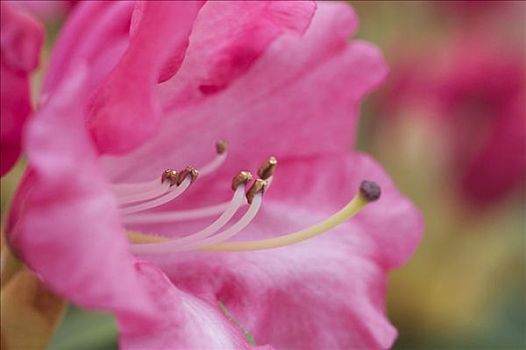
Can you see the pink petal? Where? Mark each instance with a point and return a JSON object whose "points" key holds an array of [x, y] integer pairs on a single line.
{"points": [[299, 98], [124, 112], [228, 36], [76, 45], [327, 292], [14, 99], [20, 46], [21, 40], [187, 322], [64, 221]]}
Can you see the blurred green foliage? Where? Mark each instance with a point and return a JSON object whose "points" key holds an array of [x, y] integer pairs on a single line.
{"points": [[82, 330]]}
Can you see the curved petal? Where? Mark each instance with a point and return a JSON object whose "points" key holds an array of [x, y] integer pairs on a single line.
{"points": [[228, 36], [187, 322], [299, 98], [76, 45], [64, 221], [16, 106], [327, 292], [21, 41], [124, 110]]}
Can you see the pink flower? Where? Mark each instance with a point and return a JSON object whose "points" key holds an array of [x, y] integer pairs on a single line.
{"points": [[22, 38], [467, 13], [482, 95], [476, 93], [271, 78]]}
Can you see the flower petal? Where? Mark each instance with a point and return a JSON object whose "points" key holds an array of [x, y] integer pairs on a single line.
{"points": [[124, 110], [64, 221], [14, 97], [76, 45], [299, 98], [21, 41], [327, 292], [228, 36], [187, 321]]}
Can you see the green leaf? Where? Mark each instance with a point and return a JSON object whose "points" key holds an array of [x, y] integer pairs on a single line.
{"points": [[85, 330]]}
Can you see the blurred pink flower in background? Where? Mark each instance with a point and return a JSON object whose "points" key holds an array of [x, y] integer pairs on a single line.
{"points": [[449, 125], [154, 85], [482, 100], [21, 41], [474, 90], [468, 10]]}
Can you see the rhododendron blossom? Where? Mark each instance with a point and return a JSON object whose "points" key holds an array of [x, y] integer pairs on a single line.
{"points": [[476, 99], [191, 170], [484, 89], [20, 44]]}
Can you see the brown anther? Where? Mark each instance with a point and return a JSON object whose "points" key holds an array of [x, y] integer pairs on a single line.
{"points": [[243, 178], [259, 186], [169, 175], [189, 171], [370, 191], [268, 168], [221, 146]]}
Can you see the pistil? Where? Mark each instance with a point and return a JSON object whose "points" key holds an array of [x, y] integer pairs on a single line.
{"points": [[369, 191]]}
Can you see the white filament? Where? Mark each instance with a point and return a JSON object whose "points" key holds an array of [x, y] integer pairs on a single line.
{"points": [[158, 190], [127, 188], [182, 215], [213, 165], [235, 204], [169, 196], [176, 245], [139, 187]]}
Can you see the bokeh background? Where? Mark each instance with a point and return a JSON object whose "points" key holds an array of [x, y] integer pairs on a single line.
{"points": [[449, 125]]}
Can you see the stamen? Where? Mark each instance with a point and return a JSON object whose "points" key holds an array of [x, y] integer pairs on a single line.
{"points": [[369, 192], [169, 196], [168, 179], [163, 246], [267, 169], [190, 172], [155, 192], [221, 146], [180, 215], [193, 239], [122, 189], [241, 179], [222, 153], [128, 188], [259, 186], [191, 214], [170, 176]]}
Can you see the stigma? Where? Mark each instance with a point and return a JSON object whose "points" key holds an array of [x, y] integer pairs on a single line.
{"points": [[136, 201]]}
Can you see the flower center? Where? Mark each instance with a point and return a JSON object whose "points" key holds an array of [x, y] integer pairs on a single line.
{"points": [[137, 199]]}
